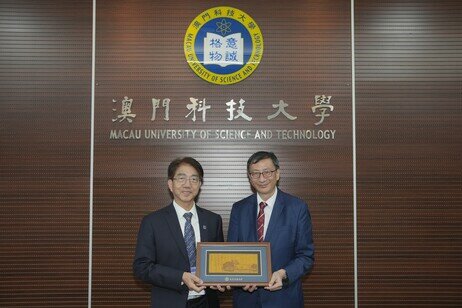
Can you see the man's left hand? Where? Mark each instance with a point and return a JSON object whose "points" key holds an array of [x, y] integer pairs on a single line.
{"points": [[276, 280], [220, 288]]}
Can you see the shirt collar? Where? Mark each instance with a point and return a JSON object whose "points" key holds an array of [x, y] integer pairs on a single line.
{"points": [[180, 211], [270, 202]]}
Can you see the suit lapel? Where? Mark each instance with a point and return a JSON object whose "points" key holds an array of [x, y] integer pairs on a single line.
{"points": [[275, 215], [175, 229], [252, 214], [203, 228]]}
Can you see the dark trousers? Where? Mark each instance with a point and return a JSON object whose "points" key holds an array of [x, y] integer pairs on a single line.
{"points": [[200, 302]]}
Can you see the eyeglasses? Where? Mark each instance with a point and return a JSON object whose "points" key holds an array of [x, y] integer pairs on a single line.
{"points": [[267, 174], [181, 179]]}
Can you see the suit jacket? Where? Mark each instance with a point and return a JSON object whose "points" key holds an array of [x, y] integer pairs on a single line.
{"points": [[290, 234], [161, 257]]}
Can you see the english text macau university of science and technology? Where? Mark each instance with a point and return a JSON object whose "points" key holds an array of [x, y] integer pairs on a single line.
{"points": [[222, 134]]}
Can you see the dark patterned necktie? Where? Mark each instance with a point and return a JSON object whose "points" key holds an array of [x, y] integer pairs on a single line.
{"points": [[190, 239], [261, 221]]}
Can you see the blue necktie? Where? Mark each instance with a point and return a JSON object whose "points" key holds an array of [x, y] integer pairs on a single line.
{"points": [[190, 239]]}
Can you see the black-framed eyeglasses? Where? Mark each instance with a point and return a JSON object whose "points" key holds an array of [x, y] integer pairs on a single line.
{"points": [[267, 174], [181, 179]]}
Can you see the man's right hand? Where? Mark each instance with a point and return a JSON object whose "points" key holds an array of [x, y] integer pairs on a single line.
{"points": [[193, 282]]}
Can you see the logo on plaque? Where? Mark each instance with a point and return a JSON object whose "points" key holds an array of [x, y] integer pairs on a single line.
{"points": [[223, 45]]}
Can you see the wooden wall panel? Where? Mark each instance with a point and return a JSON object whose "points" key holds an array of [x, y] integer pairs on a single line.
{"points": [[45, 65], [140, 55], [409, 76]]}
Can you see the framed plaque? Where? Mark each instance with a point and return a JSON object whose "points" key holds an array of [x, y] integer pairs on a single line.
{"points": [[234, 264]]}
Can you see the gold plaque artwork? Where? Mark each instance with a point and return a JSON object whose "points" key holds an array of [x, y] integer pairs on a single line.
{"points": [[245, 263], [234, 263]]}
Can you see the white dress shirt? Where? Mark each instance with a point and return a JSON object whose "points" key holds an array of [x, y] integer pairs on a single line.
{"points": [[195, 224], [268, 209]]}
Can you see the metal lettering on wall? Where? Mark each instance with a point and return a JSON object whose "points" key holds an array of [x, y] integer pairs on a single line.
{"points": [[196, 112]]}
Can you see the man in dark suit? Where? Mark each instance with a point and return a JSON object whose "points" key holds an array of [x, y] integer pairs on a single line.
{"points": [[274, 216], [165, 251]]}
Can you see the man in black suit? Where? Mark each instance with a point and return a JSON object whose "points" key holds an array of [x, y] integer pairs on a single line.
{"points": [[165, 250]]}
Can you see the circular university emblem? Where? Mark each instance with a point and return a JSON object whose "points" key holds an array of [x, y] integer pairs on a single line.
{"points": [[223, 45]]}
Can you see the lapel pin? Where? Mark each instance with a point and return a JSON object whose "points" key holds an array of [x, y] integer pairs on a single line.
{"points": [[204, 227]]}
